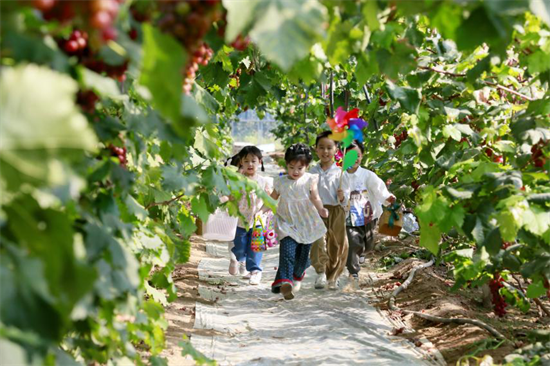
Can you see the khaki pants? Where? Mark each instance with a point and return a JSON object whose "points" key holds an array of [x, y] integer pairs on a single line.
{"points": [[329, 254]]}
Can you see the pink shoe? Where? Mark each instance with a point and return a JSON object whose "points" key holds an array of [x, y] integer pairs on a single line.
{"points": [[233, 267]]}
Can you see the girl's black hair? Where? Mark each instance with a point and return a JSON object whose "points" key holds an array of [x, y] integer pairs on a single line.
{"points": [[357, 144], [298, 152], [235, 160], [325, 135], [250, 150]]}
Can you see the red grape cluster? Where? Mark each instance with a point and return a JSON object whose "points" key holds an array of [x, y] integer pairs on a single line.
{"points": [[399, 138], [240, 43], [188, 21], [87, 100], [201, 56], [120, 153], [96, 15], [236, 76], [76, 44], [498, 301], [537, 156]]}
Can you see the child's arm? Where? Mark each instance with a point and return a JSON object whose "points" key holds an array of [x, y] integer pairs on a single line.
{"points": [[344, 190], [379, 190], [316, 200]]}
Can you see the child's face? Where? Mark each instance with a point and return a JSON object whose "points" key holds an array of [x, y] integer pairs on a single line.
{"points": [[250, 164], [295, 169], [359, 158], [326, 149]]}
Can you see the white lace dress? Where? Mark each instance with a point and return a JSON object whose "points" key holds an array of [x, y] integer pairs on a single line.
{"points": [[296, 216]]}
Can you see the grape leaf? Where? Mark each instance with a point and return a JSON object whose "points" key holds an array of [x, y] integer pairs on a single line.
{"points": [[163, 60]]}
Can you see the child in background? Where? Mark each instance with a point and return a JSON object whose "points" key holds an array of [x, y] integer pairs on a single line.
{"points": [[247, 262], [329, 254], [298, 219], [368, 194]]}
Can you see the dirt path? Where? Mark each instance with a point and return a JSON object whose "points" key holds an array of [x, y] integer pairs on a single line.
{"points": [[236, 323]]}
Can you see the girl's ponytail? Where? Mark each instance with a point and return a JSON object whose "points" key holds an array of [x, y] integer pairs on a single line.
{"points": [[263, 169]]}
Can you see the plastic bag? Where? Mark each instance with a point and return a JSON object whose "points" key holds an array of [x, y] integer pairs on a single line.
{"points": [[220, 226]]}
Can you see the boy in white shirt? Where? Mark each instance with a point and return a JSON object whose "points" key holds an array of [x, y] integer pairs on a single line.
{"points": [[368, 194]]}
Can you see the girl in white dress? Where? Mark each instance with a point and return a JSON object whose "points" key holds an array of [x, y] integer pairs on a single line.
{"points": [[298, 219]]}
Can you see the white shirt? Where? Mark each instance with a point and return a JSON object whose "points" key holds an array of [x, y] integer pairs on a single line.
{"points": [[376, 191], [329, 182]]}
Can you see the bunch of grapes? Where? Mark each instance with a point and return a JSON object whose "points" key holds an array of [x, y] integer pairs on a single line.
{"points": [[498, 301], [399, 138], [120, 153], [97, 16], [537, 157], [240, 43], [201, 56], [87, 100], [77, 43], [188, 21], [236, 76]]}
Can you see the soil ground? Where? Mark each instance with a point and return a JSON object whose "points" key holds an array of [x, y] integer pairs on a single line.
{"points": [[430, 292]]}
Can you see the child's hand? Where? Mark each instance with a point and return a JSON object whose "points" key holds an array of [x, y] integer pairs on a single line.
{"points": [[323, 212], [391, 199], [340, 193]]}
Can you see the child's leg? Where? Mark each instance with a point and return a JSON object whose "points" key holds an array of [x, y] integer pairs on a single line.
{"points": [[241, 242], [318, 253], [337, 243], [356, 239], [302, 261], [253, 259], [287, 253], [369, 235]]}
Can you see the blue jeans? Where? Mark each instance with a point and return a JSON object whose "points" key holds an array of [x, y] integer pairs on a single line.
{"points": [[243, 250], [293, 262]]}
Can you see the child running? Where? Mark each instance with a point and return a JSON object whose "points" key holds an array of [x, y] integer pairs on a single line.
{"points": [[368, 193], [329, 254], [298, 220], [246, 262]]}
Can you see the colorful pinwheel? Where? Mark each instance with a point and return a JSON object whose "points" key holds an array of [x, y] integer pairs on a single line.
{"points": [[346, 127], [339, 158]]}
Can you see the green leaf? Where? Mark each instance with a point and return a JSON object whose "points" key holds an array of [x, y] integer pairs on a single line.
{"points": [[452, 131], [241, 14], [370, 12], [200, 207], [40, 124], [408, 98], [286, 31], [350, 159], [535, 290], [475, 30], [135, 208], [538, 61], [172, 178], [430, 235], [187, 225], [536, 220], [508, 225], [102, 85], [366, 67], [163, 62]]}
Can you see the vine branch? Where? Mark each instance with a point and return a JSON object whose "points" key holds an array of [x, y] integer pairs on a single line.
{"points": [[437, 319], [164, 203]]}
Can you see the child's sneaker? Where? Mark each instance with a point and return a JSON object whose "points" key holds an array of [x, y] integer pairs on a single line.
{"points": [[286, 290], [233, 267], [297, 286], [255, 277], [361, 260], [242, 268], [333, 285], [321, 281]]}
